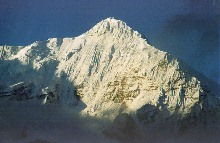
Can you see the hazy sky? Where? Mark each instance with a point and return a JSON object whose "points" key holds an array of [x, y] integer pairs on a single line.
{"points": [[188, 29]]}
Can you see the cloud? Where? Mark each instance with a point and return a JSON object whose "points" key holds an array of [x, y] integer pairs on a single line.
{"points": [[192, 35]]}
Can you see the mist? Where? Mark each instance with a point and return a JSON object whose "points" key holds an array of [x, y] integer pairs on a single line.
{"points": [[26, 122], [31, 122]]}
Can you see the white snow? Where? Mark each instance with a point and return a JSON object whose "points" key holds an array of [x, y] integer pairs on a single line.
{"points": [[112, 68]]}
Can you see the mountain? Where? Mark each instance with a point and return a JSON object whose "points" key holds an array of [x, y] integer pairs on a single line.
{"points": [[110, 72]]}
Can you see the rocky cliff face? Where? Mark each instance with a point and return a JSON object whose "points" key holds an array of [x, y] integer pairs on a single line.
{"points": [[113, 70]]}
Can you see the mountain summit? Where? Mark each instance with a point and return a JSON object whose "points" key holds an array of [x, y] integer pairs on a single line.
{"points": [[114, 27], [108, 71]]}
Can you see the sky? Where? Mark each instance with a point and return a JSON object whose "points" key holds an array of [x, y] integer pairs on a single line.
{"points": [[187, 29]]}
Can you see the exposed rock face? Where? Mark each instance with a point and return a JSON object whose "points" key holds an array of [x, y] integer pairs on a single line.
{"points": [[113, 70], [19, 91]]}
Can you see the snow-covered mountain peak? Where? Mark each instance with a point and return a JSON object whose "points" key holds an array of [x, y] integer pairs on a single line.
{"points": [[114, 27], [113, 70]]}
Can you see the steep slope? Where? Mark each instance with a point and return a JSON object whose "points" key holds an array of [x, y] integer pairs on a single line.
{"points": [[113, 70]]}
